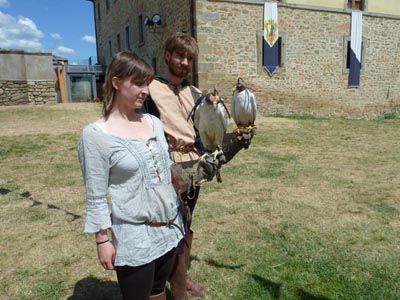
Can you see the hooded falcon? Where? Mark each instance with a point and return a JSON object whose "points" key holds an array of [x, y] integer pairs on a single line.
{"points": [[243, 106], [211, 119]]}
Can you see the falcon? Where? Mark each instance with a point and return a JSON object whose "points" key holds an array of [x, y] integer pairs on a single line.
{"points": [[243, 106], [211, 119]]}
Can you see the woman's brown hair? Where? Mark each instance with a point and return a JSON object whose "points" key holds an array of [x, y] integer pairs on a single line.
{"points": [[123, 65]]}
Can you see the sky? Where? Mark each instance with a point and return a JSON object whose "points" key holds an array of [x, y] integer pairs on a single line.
{"points": [[64, 27]]}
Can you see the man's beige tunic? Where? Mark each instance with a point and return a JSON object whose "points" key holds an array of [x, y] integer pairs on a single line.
{"points": [[175, 105]]}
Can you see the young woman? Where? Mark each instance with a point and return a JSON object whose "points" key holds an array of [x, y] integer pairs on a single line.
{"points": [[124, 155]]}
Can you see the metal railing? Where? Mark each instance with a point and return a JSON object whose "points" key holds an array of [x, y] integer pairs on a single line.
{"points": [[85, 69]]}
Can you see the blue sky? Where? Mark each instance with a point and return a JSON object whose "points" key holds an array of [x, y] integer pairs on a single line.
{"points": [[63, 27]]}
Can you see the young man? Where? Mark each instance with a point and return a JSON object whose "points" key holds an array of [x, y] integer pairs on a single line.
{"points": [[172, 98]]}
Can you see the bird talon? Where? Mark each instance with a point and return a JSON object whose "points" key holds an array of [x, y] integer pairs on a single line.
{"points": [[217, 153], [243, 108]]}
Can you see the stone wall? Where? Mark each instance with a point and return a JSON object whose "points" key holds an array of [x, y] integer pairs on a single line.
{"points": [[29, 78], [13, 92], [27, 92], [41, 92], [312, 80]]}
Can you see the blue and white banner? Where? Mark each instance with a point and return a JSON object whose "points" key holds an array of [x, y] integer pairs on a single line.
{"points": [[355, 48], [270, 38]]}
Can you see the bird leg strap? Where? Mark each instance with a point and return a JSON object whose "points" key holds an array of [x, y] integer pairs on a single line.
{"points": [[195, 172]]}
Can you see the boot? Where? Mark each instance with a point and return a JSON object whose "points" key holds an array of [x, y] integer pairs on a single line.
{"points": [[195, 288], [187, 247], [160, 296], [177, 280]]}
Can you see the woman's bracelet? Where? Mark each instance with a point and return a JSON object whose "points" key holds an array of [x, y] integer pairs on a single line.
{"points": [[103, 242]]}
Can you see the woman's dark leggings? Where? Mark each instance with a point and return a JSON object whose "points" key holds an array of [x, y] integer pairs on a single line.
{"points": [[138, 283]]}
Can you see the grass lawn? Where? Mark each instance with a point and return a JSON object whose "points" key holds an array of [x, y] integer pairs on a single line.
{"points": [[309, 212]]}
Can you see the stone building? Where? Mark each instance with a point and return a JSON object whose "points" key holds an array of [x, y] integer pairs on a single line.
{"points": [[314, 42]]}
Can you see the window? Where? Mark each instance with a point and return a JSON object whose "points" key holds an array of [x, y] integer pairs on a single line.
{"points": [[107, 5], [141, 31], [356, 4], [127, 38], [119, 42], [280, 50], [346, 55], [110, 48], [98, 12], [154, 64], [101, 59]]}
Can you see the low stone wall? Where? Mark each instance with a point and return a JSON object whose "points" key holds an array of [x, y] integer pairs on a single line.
{"points": [[28, 78], [16, 92]]}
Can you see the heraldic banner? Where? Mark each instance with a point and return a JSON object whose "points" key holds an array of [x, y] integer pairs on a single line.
{"points": [[270, 38], [355, 49]]}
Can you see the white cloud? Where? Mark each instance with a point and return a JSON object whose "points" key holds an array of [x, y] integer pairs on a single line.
{"points": [[89, 39], [4, 3], [64, 50], [19, 33], [56, 36]]}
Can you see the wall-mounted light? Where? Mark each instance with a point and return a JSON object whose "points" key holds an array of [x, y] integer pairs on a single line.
{"points": [[148, 22], [155, 20]]}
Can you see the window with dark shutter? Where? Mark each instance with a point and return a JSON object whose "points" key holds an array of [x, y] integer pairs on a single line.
{"points": [[118, 42], [141, 29], [127, 38], [98, 12], [110, 53]]}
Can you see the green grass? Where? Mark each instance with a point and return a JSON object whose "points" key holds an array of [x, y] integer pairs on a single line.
{"points": [[309, 212], [52, 290], [392, 114], [298, 117]]}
